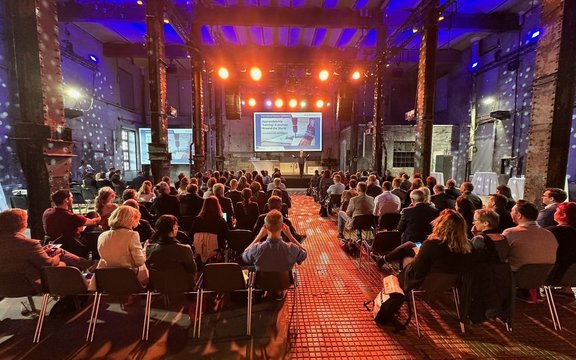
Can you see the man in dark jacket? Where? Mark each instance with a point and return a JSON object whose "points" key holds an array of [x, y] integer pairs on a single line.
{"points": [[451, 190], [233, 194], [191, 203], [165, 203], [275, 203], [415, 220], [466, 188], [440, 200], [497, 203], [372, 189]]}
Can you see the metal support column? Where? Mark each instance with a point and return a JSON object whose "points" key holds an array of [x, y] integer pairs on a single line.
{"points": [[43, 142], [219, 126], [158, 148], [552, 99], [377, 121], [425, 91], [353, 154], [198, 122]]}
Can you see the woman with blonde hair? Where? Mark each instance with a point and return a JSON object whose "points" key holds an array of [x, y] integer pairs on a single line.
{"points": [[104, 205], [145, 193], [120, 246], [182, 189]]}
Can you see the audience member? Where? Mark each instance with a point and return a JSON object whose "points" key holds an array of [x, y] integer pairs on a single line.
{"points": [[506, 192], [210, 220], [440, 199], [131, 194], [372, 188], [360, 204], [406, 184], [247, 211], [451, 190], [565, 233], [529, 243], [165, 203], [144, 229], [386, 202], [104, 205], [234, 194], [430, 183], [258, 195], [225, 204], [191, 203], [466, 208], [277, 185], [275, 203], [550, 199], [415, 221], [497, 203], [183, 186], [466, 188], [337, 188], [145, 193], [398, 191]]}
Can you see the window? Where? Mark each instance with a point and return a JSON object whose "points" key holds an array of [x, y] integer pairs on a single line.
{"points": [[129, 149], [403, 154]]}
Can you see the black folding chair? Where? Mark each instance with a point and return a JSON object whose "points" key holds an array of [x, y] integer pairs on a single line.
{"points": [[389, 221], [363, 226], [17, 285], [19, 202], [238, 241], [222, 277], [166, 283], [59, 281], [567, 280], [434, 285], [384, 242], [534, 276], [116, 282]]}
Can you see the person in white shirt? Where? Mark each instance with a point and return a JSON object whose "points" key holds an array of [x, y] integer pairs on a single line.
{"points": [[386, 202], [337, 188]]}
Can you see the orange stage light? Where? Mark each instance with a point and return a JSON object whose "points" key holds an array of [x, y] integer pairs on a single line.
{"points": [[223, 73], [303, 104], [256, 74], [356, 75], [320, 103], [279, 103], [324, 75], [252, 102], [292, 103]]}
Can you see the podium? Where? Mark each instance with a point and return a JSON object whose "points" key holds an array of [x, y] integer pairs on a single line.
{"points": [[268, 165]]}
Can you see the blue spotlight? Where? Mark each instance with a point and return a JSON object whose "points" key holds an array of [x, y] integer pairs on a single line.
{"points": [[535, 34], [93, 58], [474, 65]]}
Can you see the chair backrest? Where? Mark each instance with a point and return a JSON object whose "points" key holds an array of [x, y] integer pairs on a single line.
{"points": [[186, 222], [437, 283], [63, 281], [89, 193], [532, 276], [117, 281], [363, 222], [223, 277], [78, 198], [238, 240], [273, 280], [91, 238], [569, 277], [386, 241], [14, 285], [284, 210], [389, 221], [170, 282], [335, 200]]}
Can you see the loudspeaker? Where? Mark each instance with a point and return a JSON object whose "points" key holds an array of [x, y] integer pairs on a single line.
{"points": [[444, 165], [344, 107], [232, 103]]}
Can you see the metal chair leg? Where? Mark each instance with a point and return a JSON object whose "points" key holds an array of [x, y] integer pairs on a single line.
{"points": [[457, 303], [548, 302], [249, 313], [200, 313], [554, 308], [40, 322], [196, 312], [146, 324], [95, 319], [415, 311], [91, 317]]}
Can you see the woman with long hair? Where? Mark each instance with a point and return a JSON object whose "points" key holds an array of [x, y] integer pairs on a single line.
{"points": [[184, 182], [169, 254], [242, 183], [104, 205], [247, 211], [211, 220], [145, 193]]}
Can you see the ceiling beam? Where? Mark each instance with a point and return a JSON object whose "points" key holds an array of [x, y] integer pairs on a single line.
{"points": [[495, 22]]}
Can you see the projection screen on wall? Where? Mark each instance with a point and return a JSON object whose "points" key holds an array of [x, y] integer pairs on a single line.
{"points": [[287, 131]]}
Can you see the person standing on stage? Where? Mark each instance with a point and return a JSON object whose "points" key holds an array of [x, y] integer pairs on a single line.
{"points": [[301, 161]]}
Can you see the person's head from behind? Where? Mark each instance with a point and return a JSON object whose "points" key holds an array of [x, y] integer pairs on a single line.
{"points": [[450, 228], [124, 217], [361, 187], [210, 183], [337, 179], [62, 197], [184, 183], [277, 182], [353, 183], [417, 183], [247, 194], [256, 187], [486, 219], [132, 203], [166, 227], [426, 192], [565, 214], [553, 196], [13, 221], [277, 192], [466, 186], [371, 179], [431, 181], [465, 206], [163, 187], [192, 189], [146, 187], [396, 183], [451, 183], [166, 179], [504, 190], [386, 186], [129, 194], [497, 201], [273, 221], [233, 184], [417, 196], [438, 189], [524, 211], [218, 190], [275, 202], [211, 208]]}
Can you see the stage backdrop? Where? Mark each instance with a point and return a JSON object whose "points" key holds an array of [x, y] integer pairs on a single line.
{"points": [[287, 131]]}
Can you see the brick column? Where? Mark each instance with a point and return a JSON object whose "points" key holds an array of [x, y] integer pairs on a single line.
{"points": [[198, 120], [43, 142], [552, 99], [158, 148], [377, 122], [425, 91]]}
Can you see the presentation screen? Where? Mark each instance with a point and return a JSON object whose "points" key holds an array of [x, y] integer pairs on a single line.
{"points": [[287, 131], [179, 141]]}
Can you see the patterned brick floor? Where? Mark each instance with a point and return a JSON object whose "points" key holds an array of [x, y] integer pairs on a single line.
{"points": [[332, 322]]}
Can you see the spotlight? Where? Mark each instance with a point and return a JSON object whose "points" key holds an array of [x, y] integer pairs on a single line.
{"points": [[327, 104], [356, 75], [535, 34], [414, 30], [256, 74], [93, 58], [252, 102], [474, 65], [319, 103], [441, 17], [223, 73], [166, 21], [268, 103], [292, 103], [139, 2], [488, 100], [73, 93], [303, 104], [279, 103], [243, 102], [323, 75]]}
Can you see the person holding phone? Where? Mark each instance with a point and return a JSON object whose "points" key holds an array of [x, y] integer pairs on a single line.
{"points": [[20, 254]]}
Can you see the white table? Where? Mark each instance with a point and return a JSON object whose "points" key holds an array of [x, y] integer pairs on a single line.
{"points": [[268, 165], [439, 177], [485, 183], [516, 185], [3, 203]]}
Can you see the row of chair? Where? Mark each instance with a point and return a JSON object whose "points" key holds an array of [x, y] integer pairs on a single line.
{"points": [[216, 278]]}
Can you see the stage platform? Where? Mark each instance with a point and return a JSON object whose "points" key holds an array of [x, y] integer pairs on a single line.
{"points": [[297, 182]]}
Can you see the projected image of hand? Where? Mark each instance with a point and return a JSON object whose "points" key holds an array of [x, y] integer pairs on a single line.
{"points": [[310, 133]]}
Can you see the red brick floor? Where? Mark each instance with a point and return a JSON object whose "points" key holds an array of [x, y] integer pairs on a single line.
{"points": [[332, 322]]}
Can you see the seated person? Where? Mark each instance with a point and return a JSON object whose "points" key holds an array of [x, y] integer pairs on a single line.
{"points": [[498, 203], [144, 229], [169, 254], [191, 203], [225, 204], [210, 220], [275, 203], [529, 243], [104, 205], [415, 221], [565, 233], [21, 254], [277, 186], [360, 204], [120, 246], [268, 252], [63, 226], [131, 194], [247, 211], [165, 203]]}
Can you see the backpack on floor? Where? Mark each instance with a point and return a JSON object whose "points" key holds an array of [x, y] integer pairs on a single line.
{"points": [[387, 304]]}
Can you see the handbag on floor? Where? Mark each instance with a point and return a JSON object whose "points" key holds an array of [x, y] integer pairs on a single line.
{"points": [[387, 303]]}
